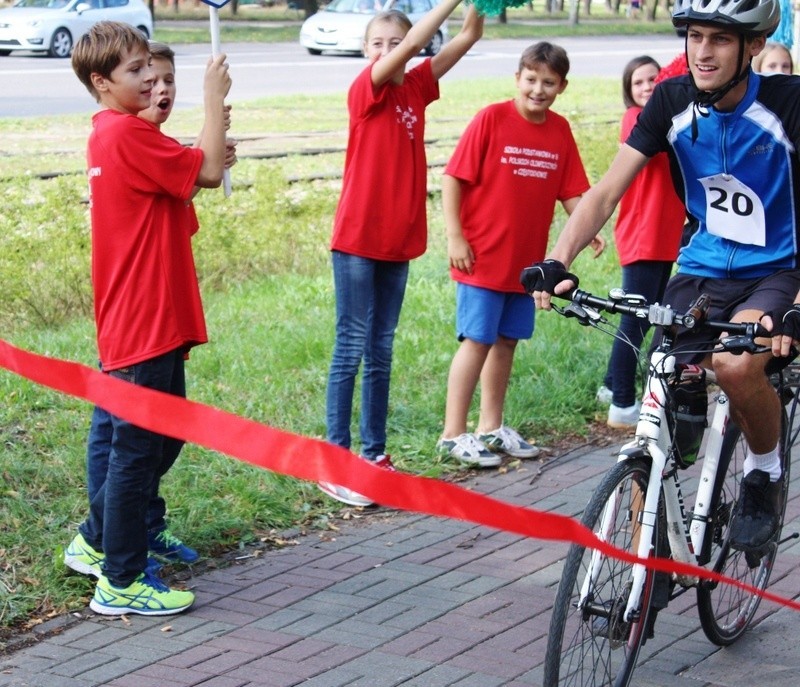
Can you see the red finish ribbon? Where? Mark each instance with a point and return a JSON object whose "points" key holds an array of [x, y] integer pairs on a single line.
{"points": [[315, 460]]}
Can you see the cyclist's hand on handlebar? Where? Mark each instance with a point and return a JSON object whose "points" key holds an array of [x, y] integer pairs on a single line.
{"points": [[785, 328], [460, 253], [542, 279]]}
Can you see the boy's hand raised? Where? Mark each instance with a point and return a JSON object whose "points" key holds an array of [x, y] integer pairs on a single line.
{"points": [[216, 84], [217, 80]]}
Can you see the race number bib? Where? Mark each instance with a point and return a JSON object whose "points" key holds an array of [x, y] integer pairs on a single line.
{"points": [[733, 210]]}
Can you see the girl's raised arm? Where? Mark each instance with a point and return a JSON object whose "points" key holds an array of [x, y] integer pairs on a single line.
{"points": [[455, 49], [418, 36]]}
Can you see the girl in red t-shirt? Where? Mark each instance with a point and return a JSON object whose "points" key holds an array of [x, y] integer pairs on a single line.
{"points": [[647, 235], [381, 223]]}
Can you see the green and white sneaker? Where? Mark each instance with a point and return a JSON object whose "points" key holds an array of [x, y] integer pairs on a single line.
{"points": [[81, 557], [146, 595]]}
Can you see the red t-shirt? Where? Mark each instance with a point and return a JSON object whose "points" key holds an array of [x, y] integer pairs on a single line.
{"points": [[512, 173], [146, 296], [381, 212], [651, 216]]}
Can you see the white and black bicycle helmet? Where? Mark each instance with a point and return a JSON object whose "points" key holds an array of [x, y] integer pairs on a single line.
{"points": [[746, 16]]}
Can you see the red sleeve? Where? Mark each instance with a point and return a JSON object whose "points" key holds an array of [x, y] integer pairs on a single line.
{"points": [[467, 160], [422, 79], [364, 95], [574, 182], [628, 122]]}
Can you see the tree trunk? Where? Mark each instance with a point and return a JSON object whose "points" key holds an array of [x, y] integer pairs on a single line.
{"points": [[574, 11], [502, 18]]}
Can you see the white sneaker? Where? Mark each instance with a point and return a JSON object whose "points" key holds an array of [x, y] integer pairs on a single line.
{"points": [[508, 441], [345, 495], [623, 418], [604, 395], [468, 449]]}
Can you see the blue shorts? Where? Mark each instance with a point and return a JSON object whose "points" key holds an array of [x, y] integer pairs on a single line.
{"points": [[483, 315]]}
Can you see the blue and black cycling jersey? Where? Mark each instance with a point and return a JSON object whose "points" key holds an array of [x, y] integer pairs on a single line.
{"points": [[739, 179]]}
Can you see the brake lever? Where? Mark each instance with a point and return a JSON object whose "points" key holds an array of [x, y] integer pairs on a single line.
{"points": [[740, 343], [586, 316]]}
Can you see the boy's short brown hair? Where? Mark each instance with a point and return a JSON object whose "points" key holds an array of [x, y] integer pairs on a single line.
{"points": [[99, 51], [553, 56], [162, 51]]}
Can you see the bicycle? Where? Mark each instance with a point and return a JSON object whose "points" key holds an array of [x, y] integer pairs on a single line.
{"points": [[605, 609]]}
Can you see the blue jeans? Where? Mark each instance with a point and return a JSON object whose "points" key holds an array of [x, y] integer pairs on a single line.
{"points": [[124, 467], [98, 450], [369, 296], [648, 278]]}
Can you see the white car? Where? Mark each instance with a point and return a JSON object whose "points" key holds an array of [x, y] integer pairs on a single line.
{"points": [[53, 26], [340, 27]]}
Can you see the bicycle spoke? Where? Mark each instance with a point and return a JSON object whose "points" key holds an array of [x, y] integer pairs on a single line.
{"points": [[591, 642]]}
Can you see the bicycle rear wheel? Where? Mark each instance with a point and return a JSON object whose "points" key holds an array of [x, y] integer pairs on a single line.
{"points": [[590, 643], [727, 611]]}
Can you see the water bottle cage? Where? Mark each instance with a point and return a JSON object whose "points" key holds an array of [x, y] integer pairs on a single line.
{"points": [[688, 412]]}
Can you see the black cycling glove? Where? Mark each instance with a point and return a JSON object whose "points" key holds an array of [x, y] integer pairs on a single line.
{"points": [[543, 276], [786, 322]]}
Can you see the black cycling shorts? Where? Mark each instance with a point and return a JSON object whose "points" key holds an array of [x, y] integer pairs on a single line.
{"points": [[728, 297]]}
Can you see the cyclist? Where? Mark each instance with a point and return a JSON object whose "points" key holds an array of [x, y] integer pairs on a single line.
{"points": [[733, 139]]}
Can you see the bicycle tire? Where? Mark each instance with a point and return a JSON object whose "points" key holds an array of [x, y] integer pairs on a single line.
{"points": [[726, 611], [592, 646]]}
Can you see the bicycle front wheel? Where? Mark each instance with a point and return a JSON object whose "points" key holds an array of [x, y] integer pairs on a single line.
{"points": [[590, 641], [727, 611]]}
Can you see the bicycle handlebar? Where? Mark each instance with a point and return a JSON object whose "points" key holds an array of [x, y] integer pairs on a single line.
{"points": [[585, 306]]}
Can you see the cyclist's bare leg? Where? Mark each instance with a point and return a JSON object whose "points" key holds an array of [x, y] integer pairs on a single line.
{"points": [[754, 405], [756, 409], [494, 383], [465, 370]]}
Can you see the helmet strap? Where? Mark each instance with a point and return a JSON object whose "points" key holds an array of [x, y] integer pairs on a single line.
{"points": [[704, 100]]}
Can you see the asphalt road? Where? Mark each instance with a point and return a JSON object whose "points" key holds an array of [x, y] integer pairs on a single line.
{"points": [[36, 85]]}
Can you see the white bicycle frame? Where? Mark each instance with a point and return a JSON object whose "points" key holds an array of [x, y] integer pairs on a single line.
{"points": [[653, 438]]}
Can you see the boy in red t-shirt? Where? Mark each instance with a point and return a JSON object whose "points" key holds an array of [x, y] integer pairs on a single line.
{"points": [[148, 311], [499, 190], [162, 543]]}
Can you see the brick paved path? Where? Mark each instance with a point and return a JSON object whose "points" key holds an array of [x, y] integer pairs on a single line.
{"points": [[402, 599]]}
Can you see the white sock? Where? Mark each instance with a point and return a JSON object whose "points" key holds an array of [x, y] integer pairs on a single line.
{"points": [[768, 462]]}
